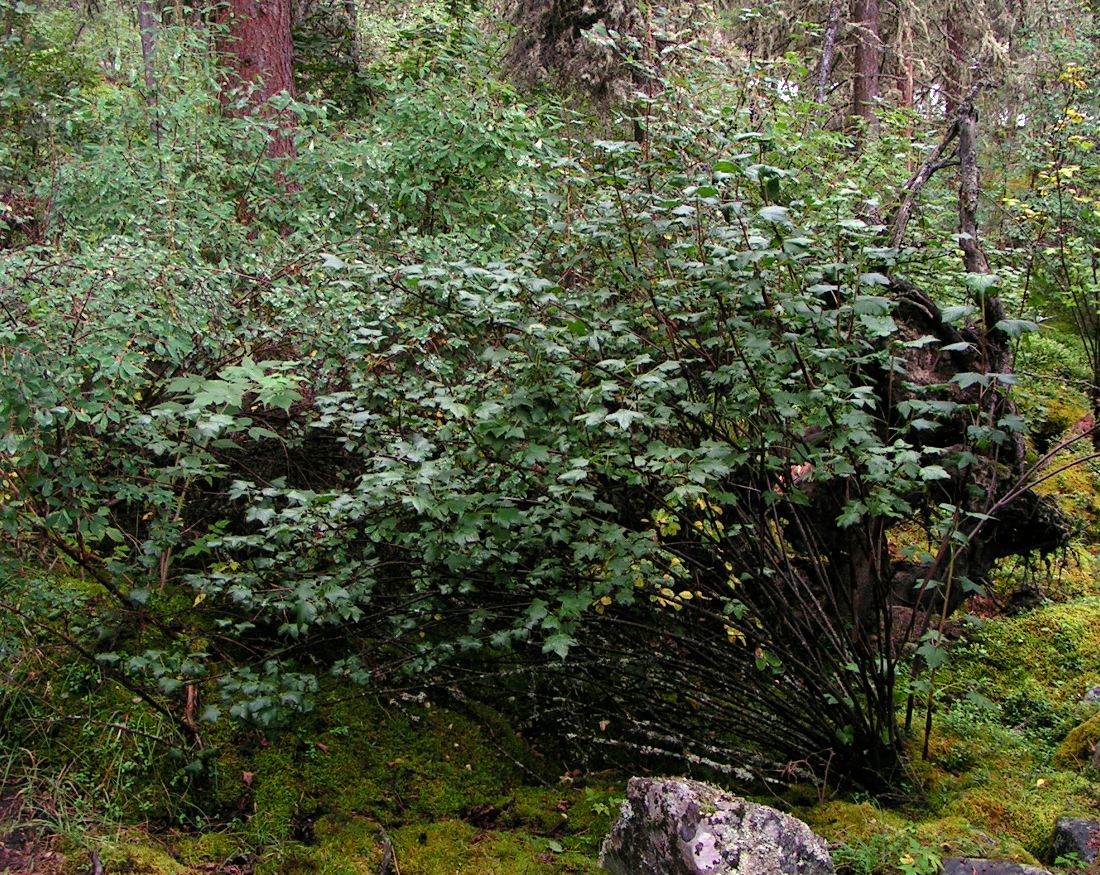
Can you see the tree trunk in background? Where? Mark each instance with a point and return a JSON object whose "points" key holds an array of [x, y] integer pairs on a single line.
{"points": [[868, 57], [955, 74], [906, 77], [147, 25], [969, 190], [828, 51], [352, 13], [996, 346], [259, 51]]}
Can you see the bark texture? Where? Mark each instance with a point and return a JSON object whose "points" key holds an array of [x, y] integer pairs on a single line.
{"points": [[147, 23], [259, 52], [828, 51], [867, 60], [955, 71]]}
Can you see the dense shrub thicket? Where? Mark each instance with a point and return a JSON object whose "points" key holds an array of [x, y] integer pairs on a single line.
{"points": [[628, 428]]}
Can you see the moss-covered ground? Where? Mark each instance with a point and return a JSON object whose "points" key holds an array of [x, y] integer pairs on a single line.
{"points": [[443, 790], [450, 792], [1008, 752]]}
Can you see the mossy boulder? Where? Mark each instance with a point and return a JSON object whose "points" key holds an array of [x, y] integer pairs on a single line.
{"points": [[1079, 746]]}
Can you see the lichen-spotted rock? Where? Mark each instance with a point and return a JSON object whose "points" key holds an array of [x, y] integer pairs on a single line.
{"points": [[974, 866], [1076, 835], [681, 827]]}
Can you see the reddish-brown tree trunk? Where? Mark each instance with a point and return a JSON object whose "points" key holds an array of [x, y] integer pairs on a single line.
{"points": [[257, 47], [905, 63], [868, 57], [955, 74]]}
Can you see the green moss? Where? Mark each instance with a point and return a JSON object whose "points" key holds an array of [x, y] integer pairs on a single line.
{"points": [[423, 763], [869, 839], [343, 846], [208, 847], [1051, 410], [278, 793], [498, 733], [1062, 411], [1025, 813], [129, 853], [1051, 654], [317, 800], [450, 847], [848, 822], [539, 810], [1076, 750], [349, 846], [354, 840], [990, 786], [359, 758]]}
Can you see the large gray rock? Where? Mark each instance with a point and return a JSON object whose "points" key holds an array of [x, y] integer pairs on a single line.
{"points": [[1092, 697], [1076, 835], [681, 827], [974, 866]]}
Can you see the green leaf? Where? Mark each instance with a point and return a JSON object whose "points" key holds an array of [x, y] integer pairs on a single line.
{"points": [[624, 417], [559, 644], [970, 378], [873, 305], [851, 514], [922, 341], [1016, 327], [874, 279], [981, 701], [776, 216], [956, 314], [980, 283], [879, 326], [934, 655]]}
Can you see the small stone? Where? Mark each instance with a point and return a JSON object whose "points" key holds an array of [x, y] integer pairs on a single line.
{"points": [[976, 866], [682, 827], [1092, 697], [1076, 835]]}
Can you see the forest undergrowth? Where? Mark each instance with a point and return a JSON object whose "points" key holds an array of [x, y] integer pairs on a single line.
{"points": [[379, 503]]}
